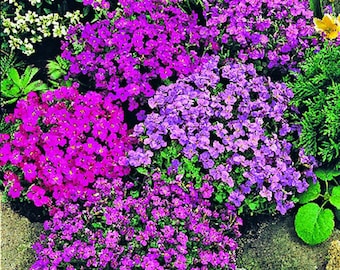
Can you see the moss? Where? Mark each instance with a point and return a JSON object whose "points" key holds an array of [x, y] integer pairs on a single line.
{"points": [[17, 236]]}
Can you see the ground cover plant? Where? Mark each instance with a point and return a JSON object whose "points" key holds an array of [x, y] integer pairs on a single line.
{"points": [[163, 123]]}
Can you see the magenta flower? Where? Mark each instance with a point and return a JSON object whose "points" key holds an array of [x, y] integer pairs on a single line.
{"points": [[37, 195], [30, 171]]}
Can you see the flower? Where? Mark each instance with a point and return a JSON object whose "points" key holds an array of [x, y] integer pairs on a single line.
{"points": [[328, 25]]}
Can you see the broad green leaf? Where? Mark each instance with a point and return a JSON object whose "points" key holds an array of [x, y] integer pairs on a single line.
{"points": [[325, 175], [14, 75], [335, 197], [311, 193], [313, 224], [97, 225]]}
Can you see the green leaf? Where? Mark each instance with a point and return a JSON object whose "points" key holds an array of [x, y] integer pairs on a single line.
{"points": [[220, 197], [143, 170], [13, 92], [335, 197], [313, 224], [97, 225], [35, 86], [134, 194], [28, 75], [311, 193], [325, 175], [14, 75], [315, 6]]}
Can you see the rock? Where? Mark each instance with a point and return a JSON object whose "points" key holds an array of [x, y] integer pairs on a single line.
{"points": [[271, 243], [334, 256], [17, 236]]}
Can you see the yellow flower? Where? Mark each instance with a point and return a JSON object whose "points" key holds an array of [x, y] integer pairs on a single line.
{"points": [[328, 25]]}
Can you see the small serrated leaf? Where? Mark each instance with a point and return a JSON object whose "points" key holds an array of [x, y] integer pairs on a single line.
{"points": [[324, 175]]}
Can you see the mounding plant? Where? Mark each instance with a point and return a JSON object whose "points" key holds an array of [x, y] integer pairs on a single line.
{"points": [[17, 86], [224, 130]]}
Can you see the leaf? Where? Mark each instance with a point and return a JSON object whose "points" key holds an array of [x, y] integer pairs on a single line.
{"points": [[313, 224], [35, 86], [14, 75], [335, 197], [220, 197], [143, 170], [97, 225], [311, 193], [325, 175], [13, 92], [134, 194], [28, 75]]}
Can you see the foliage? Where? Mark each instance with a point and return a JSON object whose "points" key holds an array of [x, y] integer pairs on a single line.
{"points": [[317, 97], [7, 61], [15, 86], [313, 223], [57, 71]]}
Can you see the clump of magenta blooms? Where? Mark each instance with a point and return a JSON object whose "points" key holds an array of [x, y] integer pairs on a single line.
{"points": [[64, 142], [214, 139]]}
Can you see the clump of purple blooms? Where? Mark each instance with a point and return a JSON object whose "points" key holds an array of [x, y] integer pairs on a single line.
{"points": [[237, 136], [64, 142], [139, 42], [166, 226], [268, 33]]}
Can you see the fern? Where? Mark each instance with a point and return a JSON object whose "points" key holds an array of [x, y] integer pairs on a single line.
{"points": [[317, 97]]}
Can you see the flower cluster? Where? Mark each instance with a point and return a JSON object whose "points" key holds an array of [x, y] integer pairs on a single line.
{"points": [[270, 34], [64, 142], [25, 28], [237, 136], [142, 41], [166, 227]]}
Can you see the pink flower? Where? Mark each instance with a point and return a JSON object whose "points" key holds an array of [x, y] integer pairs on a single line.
{"points": [[15, 190], [37, 195], [30, 171], [5, 152]]}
